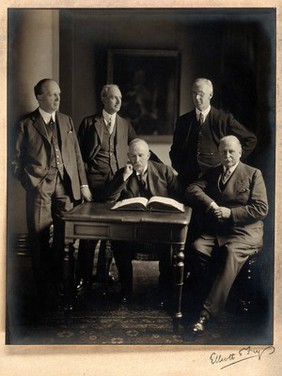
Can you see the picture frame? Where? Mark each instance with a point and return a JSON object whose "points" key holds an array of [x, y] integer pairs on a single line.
{"points": [[149, 83]]}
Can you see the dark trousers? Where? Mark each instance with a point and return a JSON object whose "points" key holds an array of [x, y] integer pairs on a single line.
{"points": [[86, 250], [45, 204], [124, 253], [85, 259]]}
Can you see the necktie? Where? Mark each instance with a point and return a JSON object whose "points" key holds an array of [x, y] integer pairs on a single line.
{"points": [[142, 184], [201, 118], [50, 127], [225, 176], [141, 178], [109, 125], [51, 124]]}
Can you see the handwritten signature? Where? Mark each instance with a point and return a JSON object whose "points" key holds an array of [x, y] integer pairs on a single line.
{"points": [[243, 354]]}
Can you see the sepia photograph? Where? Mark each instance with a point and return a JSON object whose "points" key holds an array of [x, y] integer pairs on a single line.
{"points": [[141, 195]]}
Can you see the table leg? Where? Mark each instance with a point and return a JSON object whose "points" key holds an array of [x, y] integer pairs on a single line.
{"points": [[178, 277], [108, 258], [68, 276]]}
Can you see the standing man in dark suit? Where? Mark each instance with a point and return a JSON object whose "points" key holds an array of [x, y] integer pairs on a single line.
{"points": [[232, 202], [197, 134], [48, 163], [103, 140], [141, 177]]}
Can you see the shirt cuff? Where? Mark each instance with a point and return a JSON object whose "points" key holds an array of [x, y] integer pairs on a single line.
{"points": [[84, 186]]}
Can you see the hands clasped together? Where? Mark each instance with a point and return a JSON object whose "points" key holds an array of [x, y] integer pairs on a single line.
{"points": [[219, 212]]}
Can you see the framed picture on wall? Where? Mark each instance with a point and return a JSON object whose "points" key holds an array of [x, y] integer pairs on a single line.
{"points": [[149, 82]]}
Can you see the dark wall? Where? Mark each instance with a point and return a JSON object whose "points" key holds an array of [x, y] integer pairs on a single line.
{"points": [[235, 48]]}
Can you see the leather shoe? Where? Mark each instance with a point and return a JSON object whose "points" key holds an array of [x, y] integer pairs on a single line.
{"points": [[81, 286], [124, 300], [199, 326], [111, 279]]}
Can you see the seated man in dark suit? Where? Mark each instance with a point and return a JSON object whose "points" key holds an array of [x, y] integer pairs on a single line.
{"points": [[141, 177], [233, 202]]}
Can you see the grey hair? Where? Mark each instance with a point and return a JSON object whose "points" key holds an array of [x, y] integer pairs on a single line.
{"points": [[106, 88], [206, 81], [137, 140], [230, 138]]}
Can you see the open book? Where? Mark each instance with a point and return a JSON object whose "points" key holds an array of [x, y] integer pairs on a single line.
{"points": [[155, 203]]}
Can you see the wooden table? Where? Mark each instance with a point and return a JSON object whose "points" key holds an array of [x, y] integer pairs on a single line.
{"points": [[97, 221]]}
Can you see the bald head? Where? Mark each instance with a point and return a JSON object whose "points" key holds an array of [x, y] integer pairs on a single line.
{"points": [[230, 151]]}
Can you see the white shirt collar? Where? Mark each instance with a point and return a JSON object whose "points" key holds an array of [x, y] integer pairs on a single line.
{"points": [[205, 112], [107, 117], [231, 169], [143, 172], [46, 116]]}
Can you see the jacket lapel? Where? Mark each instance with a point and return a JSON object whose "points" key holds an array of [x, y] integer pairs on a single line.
{"points": [[119, 131], [152, 178], [64, 128], [40, 125], [99, 124], [133, 186], [189, 124], [236, 180]]}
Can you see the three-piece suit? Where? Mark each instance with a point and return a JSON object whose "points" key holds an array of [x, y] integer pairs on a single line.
{"points": [[236, 237], [49, 190], [194, 147], [103, 154], [91, 135]]}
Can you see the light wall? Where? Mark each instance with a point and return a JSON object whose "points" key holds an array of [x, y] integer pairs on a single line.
{"points": [[33, 55]]}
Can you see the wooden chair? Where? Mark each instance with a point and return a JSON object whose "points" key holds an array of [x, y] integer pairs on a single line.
{"points": [[245, 292]]}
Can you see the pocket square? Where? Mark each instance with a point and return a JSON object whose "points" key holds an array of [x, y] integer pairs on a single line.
{"points": [[69, 132]]}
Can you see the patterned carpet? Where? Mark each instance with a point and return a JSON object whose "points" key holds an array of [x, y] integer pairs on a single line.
{"points": [[97, 319]]}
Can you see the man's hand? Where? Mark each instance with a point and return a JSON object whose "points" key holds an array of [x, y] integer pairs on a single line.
{"points": [[222, 213], [128, 170], [86, 193], [213, 206]]}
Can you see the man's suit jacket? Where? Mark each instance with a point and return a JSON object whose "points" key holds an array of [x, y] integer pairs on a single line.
{"points": [[161, 181], [183, 152], [32, 157], [244, 193], [90, 136]]}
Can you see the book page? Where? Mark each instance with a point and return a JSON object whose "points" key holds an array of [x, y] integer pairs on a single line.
{"points": [[167, 201], [130, 201]]}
